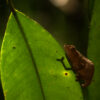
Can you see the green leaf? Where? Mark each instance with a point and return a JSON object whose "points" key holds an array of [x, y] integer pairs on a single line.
{"points": [[29, 66], [93, 53]]}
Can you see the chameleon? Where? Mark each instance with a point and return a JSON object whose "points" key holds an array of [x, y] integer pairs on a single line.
{"points": [[82, 66]]}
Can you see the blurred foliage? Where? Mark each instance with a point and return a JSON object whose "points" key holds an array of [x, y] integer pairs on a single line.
{"points": [[94, 52], [66, 29]]}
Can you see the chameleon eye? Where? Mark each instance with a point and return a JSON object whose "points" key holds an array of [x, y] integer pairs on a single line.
{"points": [[73, 48]]}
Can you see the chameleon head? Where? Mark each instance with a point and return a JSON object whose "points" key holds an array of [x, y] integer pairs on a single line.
{"points": [[69, 49]]}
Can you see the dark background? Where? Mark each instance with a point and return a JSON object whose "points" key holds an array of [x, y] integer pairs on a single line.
{"points": [[70, 29]]}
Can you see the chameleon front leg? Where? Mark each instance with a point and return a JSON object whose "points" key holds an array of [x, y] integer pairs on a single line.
{"points": [[62, 61], [86, 83]]}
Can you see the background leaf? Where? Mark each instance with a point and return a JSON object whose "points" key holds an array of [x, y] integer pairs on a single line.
{"points": [[18, 74], [93, 53]]}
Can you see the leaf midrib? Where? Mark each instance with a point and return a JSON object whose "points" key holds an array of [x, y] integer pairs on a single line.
{"points": [[30, 52]]}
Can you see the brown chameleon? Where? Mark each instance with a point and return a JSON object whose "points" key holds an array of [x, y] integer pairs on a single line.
{"points": [[82, 66]]}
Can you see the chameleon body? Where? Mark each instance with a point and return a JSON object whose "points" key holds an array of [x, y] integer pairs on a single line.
{"points": [[82, 66]]}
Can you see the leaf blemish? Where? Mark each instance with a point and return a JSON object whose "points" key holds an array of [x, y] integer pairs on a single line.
{"points": [[14, 47], [62, 61], [66, 73]]}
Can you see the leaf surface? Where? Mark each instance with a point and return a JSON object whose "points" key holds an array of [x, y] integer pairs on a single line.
{"points": [[29, 66]]}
